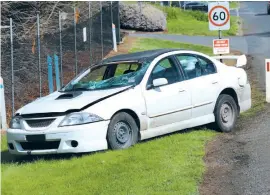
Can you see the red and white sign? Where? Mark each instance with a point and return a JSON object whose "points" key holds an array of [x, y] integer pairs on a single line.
{"points": [[267, 65], [221, 46], [219, 16], [267, 79]]}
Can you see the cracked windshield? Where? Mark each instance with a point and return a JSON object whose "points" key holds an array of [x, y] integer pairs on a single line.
{"points": [[109, 76]]}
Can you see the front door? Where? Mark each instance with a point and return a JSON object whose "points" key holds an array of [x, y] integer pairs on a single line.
{"points": [[170, 103]]}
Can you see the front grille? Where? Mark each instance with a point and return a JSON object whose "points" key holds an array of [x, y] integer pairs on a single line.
{"points": [[38, 123], [40, 145]]}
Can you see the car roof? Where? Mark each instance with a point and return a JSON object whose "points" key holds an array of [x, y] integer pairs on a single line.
{"points": [[137, 56]]}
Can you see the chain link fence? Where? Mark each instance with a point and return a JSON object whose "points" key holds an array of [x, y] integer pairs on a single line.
{"points": [[79, 34]]}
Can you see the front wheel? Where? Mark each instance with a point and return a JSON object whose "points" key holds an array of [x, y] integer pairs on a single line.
{"points": [[122, 131], [226, 113]]}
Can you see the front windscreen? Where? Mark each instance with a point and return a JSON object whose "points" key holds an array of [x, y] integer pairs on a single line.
{"points": [[109, 76]]}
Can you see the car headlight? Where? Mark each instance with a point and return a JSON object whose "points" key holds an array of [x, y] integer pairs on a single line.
{"points": [[15, 123], [79, 118]]}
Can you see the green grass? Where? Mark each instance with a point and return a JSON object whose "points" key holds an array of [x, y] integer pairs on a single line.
{"points": [[193, 22], [169, 165], [258, 102], [147, 44], [234, 4]]}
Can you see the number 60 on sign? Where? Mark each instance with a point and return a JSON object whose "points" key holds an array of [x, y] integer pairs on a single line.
{"points": [[219, 16]]}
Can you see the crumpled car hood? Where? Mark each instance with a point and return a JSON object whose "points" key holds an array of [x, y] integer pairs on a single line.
{"points": [[52, 102]]}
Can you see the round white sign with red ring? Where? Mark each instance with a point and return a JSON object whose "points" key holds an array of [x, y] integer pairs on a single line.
{"points": [[219, 16]]}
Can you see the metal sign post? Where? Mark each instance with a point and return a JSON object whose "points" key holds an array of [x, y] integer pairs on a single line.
{"points": [[39, 65], [12, 66], [61, 50], [219, 17], [90, 31], [75, 36], [101, 29]]}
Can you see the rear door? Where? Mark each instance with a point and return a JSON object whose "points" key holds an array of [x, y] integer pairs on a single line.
{"points": [[203, 80]]}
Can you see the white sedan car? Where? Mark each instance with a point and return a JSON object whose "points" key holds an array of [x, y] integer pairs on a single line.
{"points": [[132, 97]]}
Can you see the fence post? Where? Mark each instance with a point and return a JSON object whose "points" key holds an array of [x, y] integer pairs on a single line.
{"points": [[90, 23], [101, 28], [3, 118], [113, 31], [111, 12], [39, 65], [61, 57], [12, 67], [114, 38], [50, 73], [119, 37], [75, 43], [56, 67]]}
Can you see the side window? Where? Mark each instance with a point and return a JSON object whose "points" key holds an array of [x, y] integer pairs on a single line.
{"points": [[96, 75], [125, 68], [190, 65], [165, 69], [207, 66], [196, 66]]}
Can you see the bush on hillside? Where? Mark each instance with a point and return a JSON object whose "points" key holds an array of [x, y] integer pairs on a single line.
{"points": [[148, 18], [198, 15]]}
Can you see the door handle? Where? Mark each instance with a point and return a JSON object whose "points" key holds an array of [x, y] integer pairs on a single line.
{"points": [[181, 90], [214, 82]]}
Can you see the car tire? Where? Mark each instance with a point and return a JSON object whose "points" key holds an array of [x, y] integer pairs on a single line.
{"points": [[226, 113], [123, 131]]}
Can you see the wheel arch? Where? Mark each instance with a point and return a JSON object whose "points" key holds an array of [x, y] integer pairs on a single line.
{"points": [[132, 113], [231, 92]]}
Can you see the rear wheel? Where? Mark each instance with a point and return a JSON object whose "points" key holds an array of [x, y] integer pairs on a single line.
{"points": [[122, 131], [226, 113]]}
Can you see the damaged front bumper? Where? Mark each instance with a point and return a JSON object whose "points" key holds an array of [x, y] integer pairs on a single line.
{"points": [[70, 139]]}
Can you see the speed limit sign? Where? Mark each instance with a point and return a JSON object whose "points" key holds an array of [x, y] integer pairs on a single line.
{"points": [[219, 16]]}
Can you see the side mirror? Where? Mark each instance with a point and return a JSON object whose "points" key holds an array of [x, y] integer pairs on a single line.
{"points": [[241, 61], [159, 82]]}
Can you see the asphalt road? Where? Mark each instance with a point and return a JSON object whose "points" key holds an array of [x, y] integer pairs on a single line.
{"points": [[239, 163], [256, 27]]}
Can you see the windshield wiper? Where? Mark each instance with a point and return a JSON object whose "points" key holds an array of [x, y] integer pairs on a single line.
{"points": [[78, 89]]}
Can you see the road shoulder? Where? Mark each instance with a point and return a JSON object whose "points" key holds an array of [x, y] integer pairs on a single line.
{"points": [[231, 160]]}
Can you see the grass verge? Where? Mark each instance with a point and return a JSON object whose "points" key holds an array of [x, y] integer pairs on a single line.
{"points": [[168, 165], [148, 44], [171, 164], [258, 103], [193, 22], [234, 4]]}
